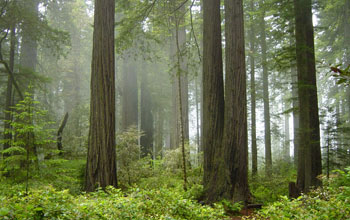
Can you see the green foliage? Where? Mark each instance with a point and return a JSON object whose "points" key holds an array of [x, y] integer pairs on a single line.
{"points": [[32, 137], [329, 202], [47, 203], [266, 190], [131, 168]]}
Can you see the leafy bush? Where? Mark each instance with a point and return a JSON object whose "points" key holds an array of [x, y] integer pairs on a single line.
{"points": [[330, 202], [47, 203], [267, 190], [131, 168]]}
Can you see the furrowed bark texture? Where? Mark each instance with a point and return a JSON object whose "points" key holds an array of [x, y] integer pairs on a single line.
{"points": [[252, 93], [309, 161], [235, 133], [213, 98], [101, 159]]}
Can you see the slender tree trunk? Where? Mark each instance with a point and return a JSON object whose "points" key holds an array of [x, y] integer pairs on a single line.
{"points": [[252, 92], [268, 153], [129, 93], [101, 159], [146, 117], [286, 150], [9, 91], [295, 103], [180, 40], [59, 133], [213, 98], [295, 99], [309, 161], [235, 130], [197, 115], [159, 132]]}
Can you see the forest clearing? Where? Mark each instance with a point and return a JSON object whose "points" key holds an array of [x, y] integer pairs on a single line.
{"points": [[175, 109]]}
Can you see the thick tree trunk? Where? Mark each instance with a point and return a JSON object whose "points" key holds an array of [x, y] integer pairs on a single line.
{"points": [[213, 98], [101, 158], [252, 92], [235, 130], [146, 118], [268, 153], [129, 94], [309, 161]]}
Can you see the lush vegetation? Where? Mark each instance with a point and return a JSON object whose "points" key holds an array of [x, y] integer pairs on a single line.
{"points": [[329, 202]]}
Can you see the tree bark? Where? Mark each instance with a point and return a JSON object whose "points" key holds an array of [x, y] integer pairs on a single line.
{"points": [[101, 158], [213, 98], [235, 130], [59, 133], [252, 92], [309, 161], [286, 147]]}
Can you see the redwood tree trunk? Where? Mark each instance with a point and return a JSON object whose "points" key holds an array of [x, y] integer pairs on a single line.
{"points": [[101, 158], [252, 92], [309, 161], [235, 131], [213, 96]]}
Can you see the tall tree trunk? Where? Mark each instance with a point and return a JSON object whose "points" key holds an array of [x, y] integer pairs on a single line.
{"points": [[295, 104], [146, 117], [9, 91], [213, 97], [286, 150], [101, 159], [129, 93], [184, 80], [197, 116], [184, 88], [235, 130], [252, 91], [180, 38], [268, 153], [309, 161]]}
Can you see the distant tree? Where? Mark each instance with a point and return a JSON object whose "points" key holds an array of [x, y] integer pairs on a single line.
{"points": [[267, 121], [147, 121], [129, 95], [309, 158], [101, 157]]}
